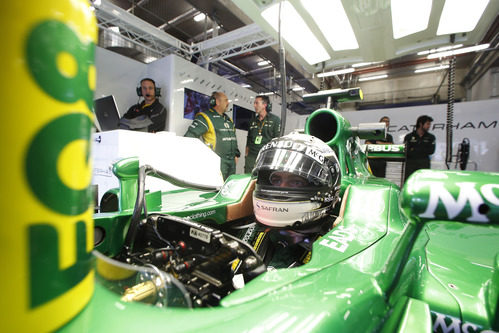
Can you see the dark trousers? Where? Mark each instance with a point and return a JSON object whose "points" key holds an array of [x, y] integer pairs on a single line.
{"points": [[249, 162], [378, 167], [413, 164], [228, 167]]}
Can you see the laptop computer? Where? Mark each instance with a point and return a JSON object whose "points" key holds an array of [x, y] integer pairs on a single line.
{"points": [[106, 113]]}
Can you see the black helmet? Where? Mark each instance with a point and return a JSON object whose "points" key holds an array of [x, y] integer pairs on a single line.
{"points": [[298, 181]]}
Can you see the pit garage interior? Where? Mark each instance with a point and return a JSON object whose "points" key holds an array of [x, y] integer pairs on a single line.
{"points": [[399, 63], [88, 240]]}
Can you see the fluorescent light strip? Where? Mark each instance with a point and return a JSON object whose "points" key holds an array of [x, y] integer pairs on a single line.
{"points": [[376, 77], [298, 88], [362, 64], [263, 63], [440, 49], [333, 21], [296, 32], [231, 65], [338, 72], [460, 16], [431, 69], [409, 17], [458, 51]]}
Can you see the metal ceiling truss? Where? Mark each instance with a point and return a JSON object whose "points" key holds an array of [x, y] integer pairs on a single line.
{"points": [[160, 43], [138, 31], [246, 39]]}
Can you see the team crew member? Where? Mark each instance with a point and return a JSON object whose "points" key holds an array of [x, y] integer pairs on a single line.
{"points": [[378, 165], [419, 145], [218, 132], [263, 127], [150, 114]]}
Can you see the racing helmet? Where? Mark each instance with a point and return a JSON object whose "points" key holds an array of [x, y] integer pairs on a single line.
{"points": [[297, 181]]}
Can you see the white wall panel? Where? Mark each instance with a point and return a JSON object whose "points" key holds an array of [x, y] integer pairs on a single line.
{"points": [[119, 76], [478, 121]]}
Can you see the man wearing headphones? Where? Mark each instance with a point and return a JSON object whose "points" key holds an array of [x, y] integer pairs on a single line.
{"points": [[150, 114], [263, 127], [218, 132]]}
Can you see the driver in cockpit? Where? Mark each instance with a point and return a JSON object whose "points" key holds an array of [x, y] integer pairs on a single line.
{"points": [[297, 186]]}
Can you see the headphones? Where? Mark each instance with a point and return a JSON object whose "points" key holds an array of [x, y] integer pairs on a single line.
{"points": [[213, 99], [157, 91], [266, 100]]}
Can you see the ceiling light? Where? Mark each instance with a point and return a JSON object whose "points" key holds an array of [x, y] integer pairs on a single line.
{"points": [[150, 59], [266, 93], [298, 88], [460, 16], [199, 17], [409, 17], [431, 69], [331, 18], [440, 49], [337, 72], [458, 51], [263, 63], [362, 64], [245, 85], [296, 32], [375, 77]]}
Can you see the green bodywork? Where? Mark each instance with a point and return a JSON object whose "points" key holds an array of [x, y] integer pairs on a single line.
{"points": [[418, 259]]}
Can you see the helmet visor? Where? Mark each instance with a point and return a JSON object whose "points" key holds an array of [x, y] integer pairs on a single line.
{"points": [[307, 170]]}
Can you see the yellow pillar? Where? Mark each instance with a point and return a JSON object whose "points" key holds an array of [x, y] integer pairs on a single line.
{"points": [[46, 226]]}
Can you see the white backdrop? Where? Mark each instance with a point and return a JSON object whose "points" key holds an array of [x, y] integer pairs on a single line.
{"points": [[119, 76], [478, 121]]}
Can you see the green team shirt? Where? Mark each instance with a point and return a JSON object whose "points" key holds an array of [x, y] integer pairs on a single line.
{"points": [[217, 132], [268, 128]]}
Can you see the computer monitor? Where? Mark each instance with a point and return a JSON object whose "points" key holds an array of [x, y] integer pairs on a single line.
{"points": [[241, 117], [107, 113]]}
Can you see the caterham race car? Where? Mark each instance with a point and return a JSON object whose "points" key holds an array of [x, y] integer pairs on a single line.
{"points": [[422, 258], [348, 252]]}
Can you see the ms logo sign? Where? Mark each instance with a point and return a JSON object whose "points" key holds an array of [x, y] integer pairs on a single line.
{"points": [[443, 195], [472, 198]]}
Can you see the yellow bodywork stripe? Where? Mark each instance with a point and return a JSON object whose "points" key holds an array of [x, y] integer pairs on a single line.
{"points": [[210, 138]]}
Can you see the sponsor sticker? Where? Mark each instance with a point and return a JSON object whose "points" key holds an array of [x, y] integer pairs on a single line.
{"points": [[385, 148], [201, 215], [199, 234], [339, 239]]}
